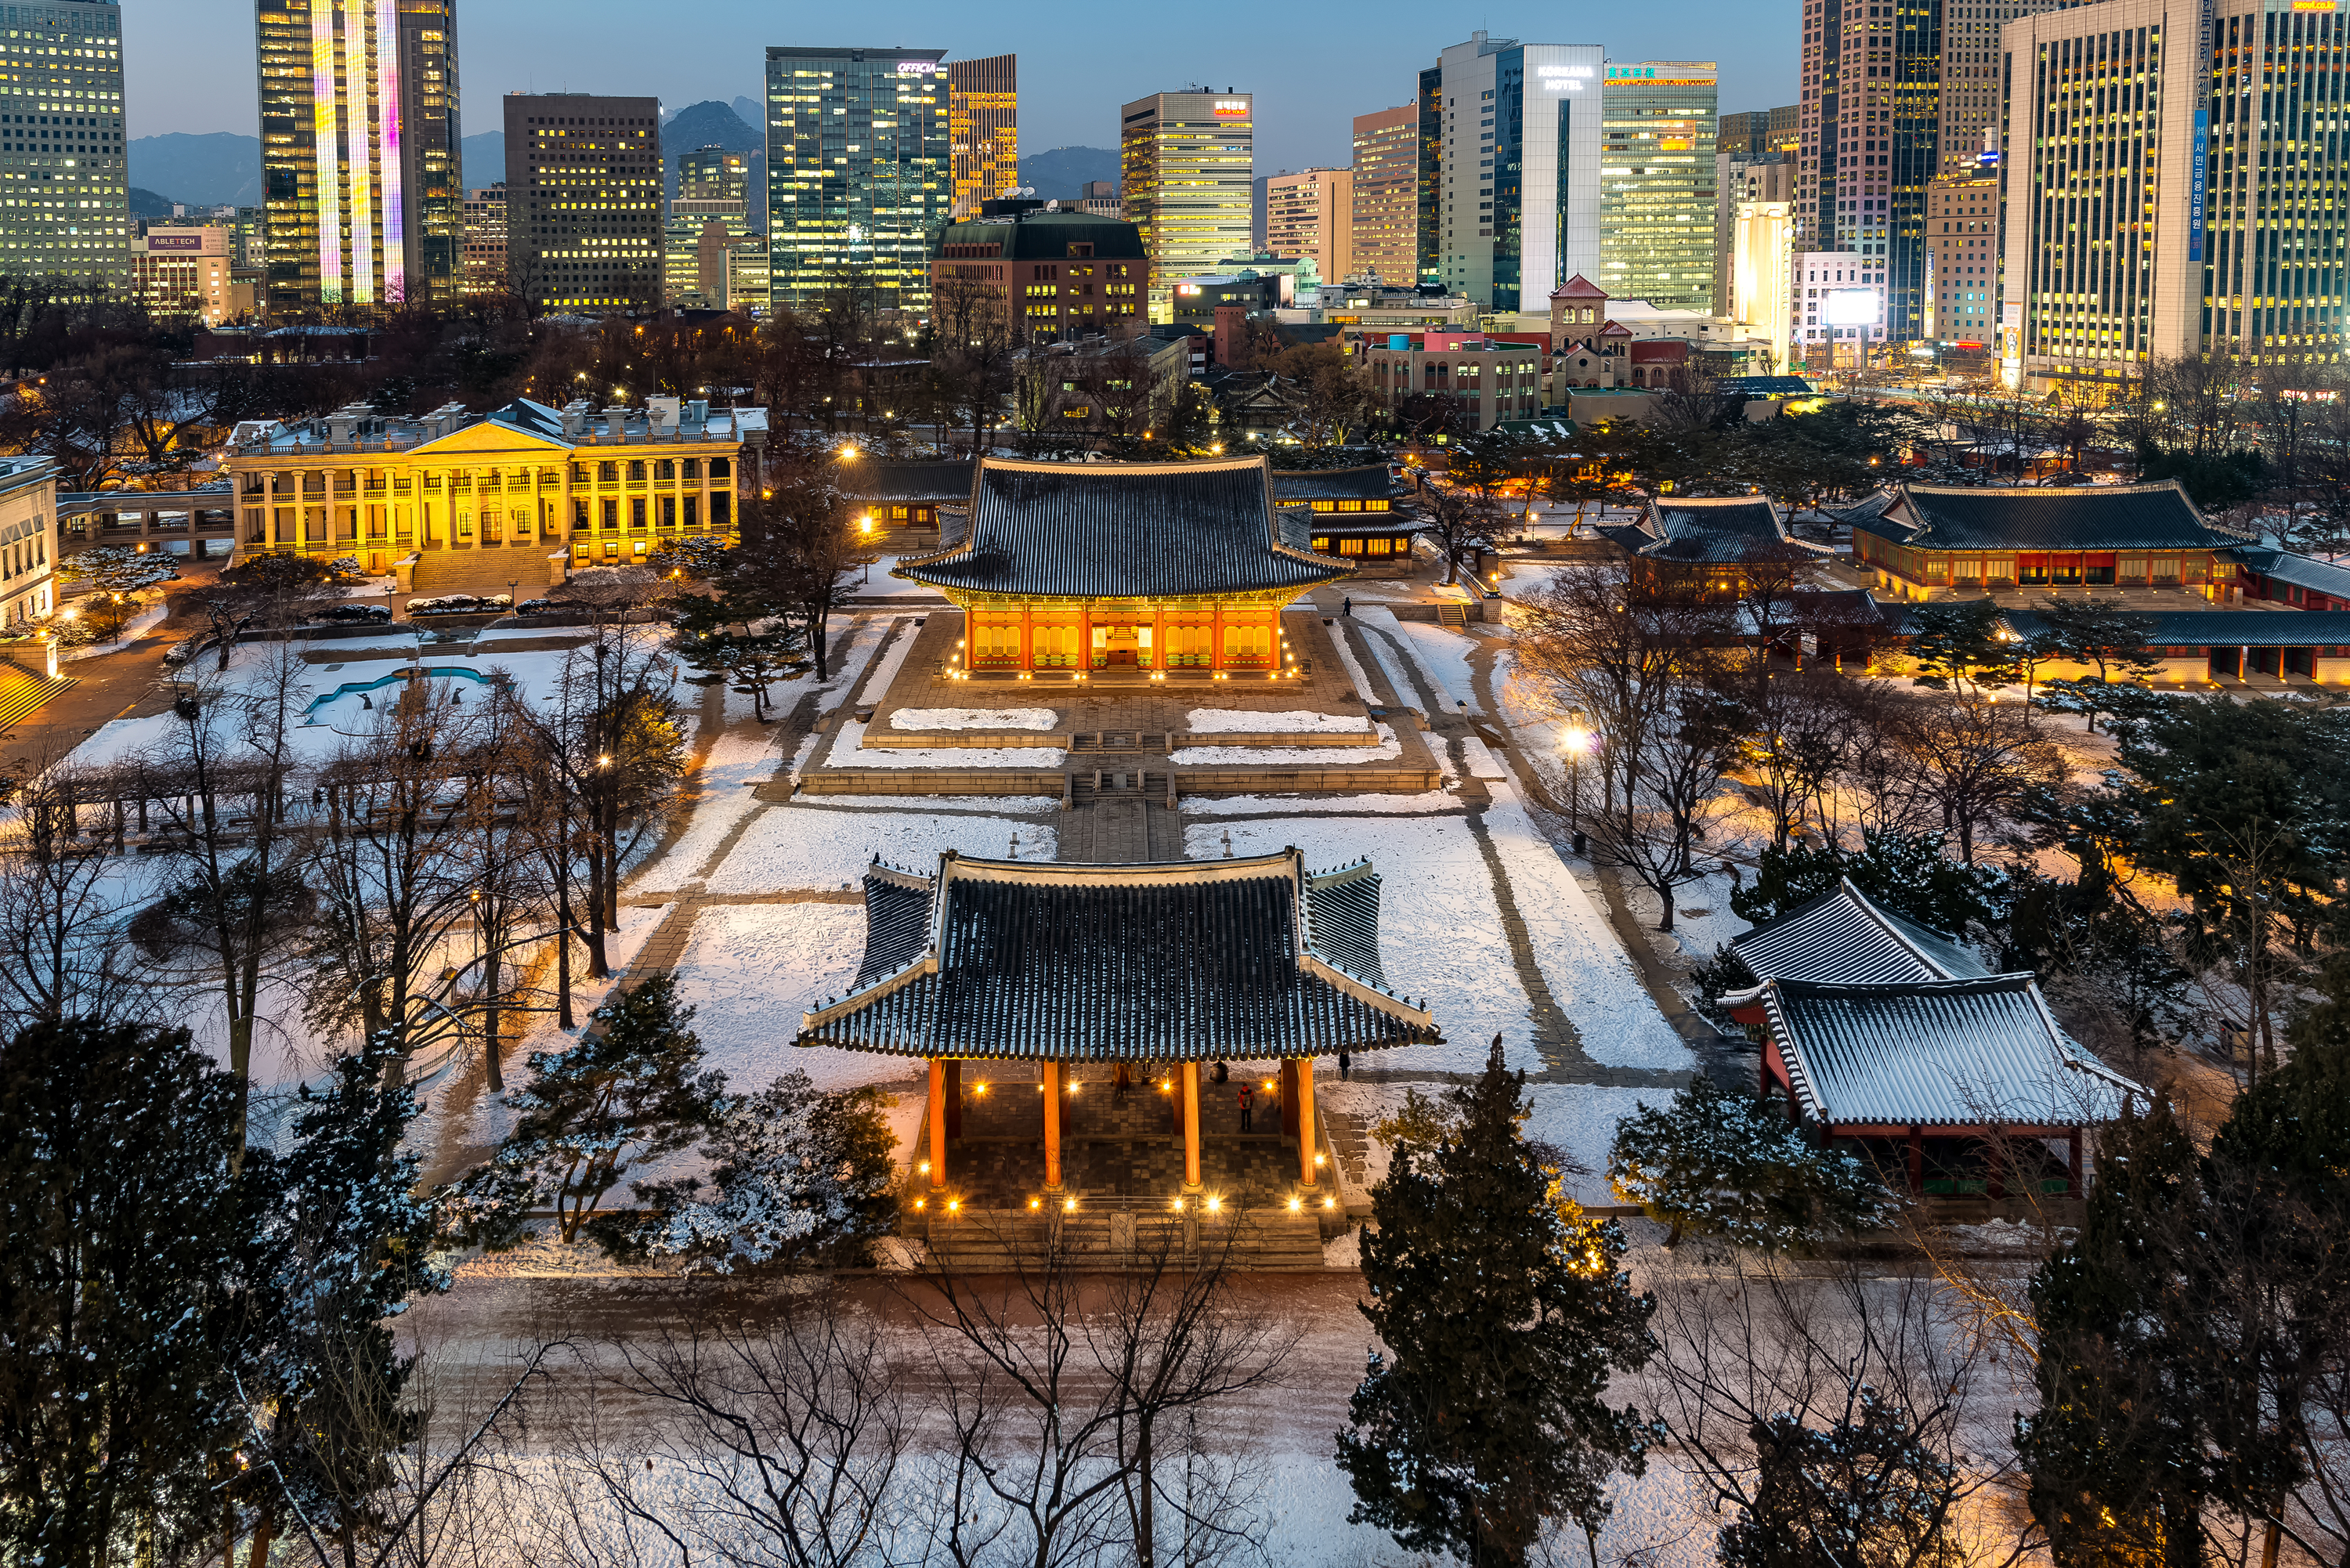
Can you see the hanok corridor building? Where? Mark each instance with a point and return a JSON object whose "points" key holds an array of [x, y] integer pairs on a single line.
{"points": [[359, 152], [456, 502], [65, 184]]}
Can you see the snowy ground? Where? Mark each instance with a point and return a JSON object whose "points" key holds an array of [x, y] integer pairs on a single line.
{"points": [[923, 719], [849, 751], [753, 969], [798, 847], [1388, 750], [1295, 721]]}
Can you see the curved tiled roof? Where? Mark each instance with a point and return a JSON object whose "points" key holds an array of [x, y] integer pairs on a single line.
{"points": [[1725, 532], [1844, 937], [1199, 960], [1978, 1052], [1367, 482], [868, 479], [1135, 530], [2302, 571], [2080, 517]]}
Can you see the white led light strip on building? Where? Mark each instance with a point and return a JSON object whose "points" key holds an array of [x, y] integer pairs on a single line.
{"points": [[387, 108], [323, 135], [362, 176]]}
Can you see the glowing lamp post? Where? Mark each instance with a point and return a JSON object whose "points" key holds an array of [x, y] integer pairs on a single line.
{"points": [[1574, 743]]}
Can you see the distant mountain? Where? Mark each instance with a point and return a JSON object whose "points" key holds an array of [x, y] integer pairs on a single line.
{"points": [[216, 171], [481, 159], [145, 203], [750, 112], [714, 124], [1060, 174]]}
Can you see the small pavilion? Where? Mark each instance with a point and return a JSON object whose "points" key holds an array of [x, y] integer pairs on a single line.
{"points": [[1716, 547], [1168, 966], [1879, 1030], [1133, 568]]}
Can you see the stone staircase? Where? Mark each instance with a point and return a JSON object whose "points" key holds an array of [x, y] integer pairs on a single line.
{"points": [[1114, 1235]]}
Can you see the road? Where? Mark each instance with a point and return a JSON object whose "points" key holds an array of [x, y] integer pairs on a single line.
{"points": [[128, 684]]}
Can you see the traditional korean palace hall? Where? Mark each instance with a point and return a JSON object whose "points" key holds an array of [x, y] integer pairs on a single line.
{"points": [[1896, 1042], [1088, 1027], [1140, 570], [1357, 514], [1715, 547]]}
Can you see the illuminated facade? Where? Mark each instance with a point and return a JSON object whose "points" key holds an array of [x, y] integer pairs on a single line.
{"points": [[183, 275], [358, 153], [1838, 312], [1963, 259], [1517, 169], [485, 271], [1312, 214], [1185, 163], [709, 214], [984, 124], [66, 211], [584, 229], [2203, 218], [1386, 197], [859, 172], [1656, 182]]}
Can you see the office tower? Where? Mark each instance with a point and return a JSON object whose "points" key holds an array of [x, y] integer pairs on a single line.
{"points": [[583, 178], [2164, 197], [485, 264], [1098, 199], [1838, 315], [1312, 214], [1963, 259], [1752, 206], [859, 172], [1657, 183], [182, 274], [1517, 167], [1970, 77], [1186, 161], [983, 125], [69, 213], [1431, 105], [1387, 195], [1761, 130], [709, 214], [358, 153]]}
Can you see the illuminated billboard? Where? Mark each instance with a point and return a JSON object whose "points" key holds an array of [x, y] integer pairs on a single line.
{"points": [[1853, 308]]}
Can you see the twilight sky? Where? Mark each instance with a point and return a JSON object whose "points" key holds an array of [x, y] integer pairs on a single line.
{"points": [[190, 62]]}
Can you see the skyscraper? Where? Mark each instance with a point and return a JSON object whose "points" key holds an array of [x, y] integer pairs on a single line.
{"points": [[583, 226], [1970, 77], [713, 194], [984, 124], [1657, 183], [1185, 162], [484, 269], [859, 171], [2169, 188], [1517, 169], [1312, 214], [358, 151], [69, 213], [1754, 156], [1387, 195], [1882, 101]]}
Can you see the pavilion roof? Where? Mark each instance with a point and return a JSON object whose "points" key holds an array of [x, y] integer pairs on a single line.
{"points": [[1127, 530], [1983, 1050], [1196, 960], [1368, 481], [872, 479], [1724, 530], [1844, 938]]}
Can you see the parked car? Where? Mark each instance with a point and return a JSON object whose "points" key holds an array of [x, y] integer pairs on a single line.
{"points": [[445, 603], [351, 610], [179, 653], [538, 607], [499, 602]]}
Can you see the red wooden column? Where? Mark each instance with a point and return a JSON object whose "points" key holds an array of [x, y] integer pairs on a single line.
{"points": [[1917, 1162], [954, 1097], [938, 1123], [1302, 1085], [1052, 1126], [1190, 1073], [1287, 1082]]}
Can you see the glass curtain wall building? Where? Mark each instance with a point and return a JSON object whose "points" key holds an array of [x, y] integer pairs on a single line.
{"points": [[1185, 160], [1517, 170], [67, 210], [1657, 183], [983, 120], [859, 172], [358, 153]]}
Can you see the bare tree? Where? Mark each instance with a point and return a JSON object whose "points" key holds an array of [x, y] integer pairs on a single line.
{"points": [[1058, 1391], [62, 900]]}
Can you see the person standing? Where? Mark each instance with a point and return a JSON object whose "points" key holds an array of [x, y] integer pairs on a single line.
{"points": [[1342, 1067], [1244, 1108]]}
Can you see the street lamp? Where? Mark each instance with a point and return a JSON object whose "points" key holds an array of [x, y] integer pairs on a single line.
{"points": [[1574, 743]]}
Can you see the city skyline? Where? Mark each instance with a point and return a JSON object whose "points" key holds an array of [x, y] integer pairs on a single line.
{"points": [[176, 59]]}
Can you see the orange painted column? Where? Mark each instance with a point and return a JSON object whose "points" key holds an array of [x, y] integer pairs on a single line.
{"points": [[938, 1123], [1052, 1126], [1303, 1085], [1191, 1126]]}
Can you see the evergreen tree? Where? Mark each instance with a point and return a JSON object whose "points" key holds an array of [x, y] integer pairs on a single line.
{"points": [[350, 1245], [2116, 1449], [797, 1177], [1506, 1313], [628, 1093], [130, 1260], [1717, 1164], [1906, 874]]}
